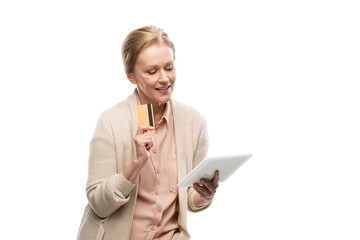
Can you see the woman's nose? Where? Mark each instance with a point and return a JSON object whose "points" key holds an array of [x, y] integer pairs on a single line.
{"points": [[163, 76]]}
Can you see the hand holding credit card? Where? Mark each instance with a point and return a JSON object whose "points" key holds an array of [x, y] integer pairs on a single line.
{"points": [[143, 139]]}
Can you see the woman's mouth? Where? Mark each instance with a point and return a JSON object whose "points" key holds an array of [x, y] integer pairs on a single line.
{"points": [[163, 89]]}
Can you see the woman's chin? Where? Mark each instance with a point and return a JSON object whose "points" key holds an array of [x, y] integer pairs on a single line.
{"points": [[164, 98]]}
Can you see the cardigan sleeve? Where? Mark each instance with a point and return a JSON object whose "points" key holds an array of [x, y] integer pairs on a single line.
{"points": [[200, 153], [106, 189]]}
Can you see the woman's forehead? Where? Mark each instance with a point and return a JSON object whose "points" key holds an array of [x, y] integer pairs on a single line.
{"points": [[156, 55]]}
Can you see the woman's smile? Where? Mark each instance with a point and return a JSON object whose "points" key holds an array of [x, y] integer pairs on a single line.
{"points": [[163, 89]]}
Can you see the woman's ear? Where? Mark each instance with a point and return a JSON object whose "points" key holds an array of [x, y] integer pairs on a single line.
{"points": [[131, 78]]}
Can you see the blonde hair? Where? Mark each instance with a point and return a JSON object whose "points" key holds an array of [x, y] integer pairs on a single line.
{"points": [[139, 39]]}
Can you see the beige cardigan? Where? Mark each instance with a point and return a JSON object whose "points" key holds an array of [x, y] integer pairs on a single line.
{"points": [[111, 197]]}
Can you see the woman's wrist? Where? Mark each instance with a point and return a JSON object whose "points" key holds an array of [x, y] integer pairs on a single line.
{"points": [[139, 163], [132, 171]]}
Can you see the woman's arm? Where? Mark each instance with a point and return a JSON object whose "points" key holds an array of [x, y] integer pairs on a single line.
{"points": [[195, 202], [143, 142], [108, 190]]}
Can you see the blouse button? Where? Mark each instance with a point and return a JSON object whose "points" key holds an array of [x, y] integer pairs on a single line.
{"points": [[154, 149], [157, 170], [152, 228], [156, 192], [159, 209]]}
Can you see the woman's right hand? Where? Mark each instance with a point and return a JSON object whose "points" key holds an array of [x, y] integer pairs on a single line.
{"points": [[143, 142]]}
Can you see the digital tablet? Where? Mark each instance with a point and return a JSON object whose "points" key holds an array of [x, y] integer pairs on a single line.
{"points": [[226, 165]]}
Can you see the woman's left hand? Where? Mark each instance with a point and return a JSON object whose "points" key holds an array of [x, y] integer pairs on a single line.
{"points": [[206, 190]]}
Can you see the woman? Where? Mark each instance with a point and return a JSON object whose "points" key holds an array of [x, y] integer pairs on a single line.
{"points": [[134, 170]]}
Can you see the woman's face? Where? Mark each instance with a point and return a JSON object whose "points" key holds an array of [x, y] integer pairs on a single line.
{"points": [[154, 74]]}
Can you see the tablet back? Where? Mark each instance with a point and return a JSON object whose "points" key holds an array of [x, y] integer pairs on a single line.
{"points": [[226, 165]]}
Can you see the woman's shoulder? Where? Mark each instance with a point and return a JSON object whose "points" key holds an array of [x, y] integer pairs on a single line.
{"points": [[117, 113]]}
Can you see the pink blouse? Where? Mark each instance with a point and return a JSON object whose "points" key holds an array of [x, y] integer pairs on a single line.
{"points": [[155, 215]]}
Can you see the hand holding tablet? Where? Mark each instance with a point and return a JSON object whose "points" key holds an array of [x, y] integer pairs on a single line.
{"points": [[226, 166]]}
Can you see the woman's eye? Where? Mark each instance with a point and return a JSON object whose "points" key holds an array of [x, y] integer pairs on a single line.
{"points": [[169, 68], [152, 72]]}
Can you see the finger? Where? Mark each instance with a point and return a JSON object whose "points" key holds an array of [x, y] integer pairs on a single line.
{"points": [[209, 186], [143, 129], [149, 145], [144, 138], [204, 193], [148, 142], [215, 181], [146, 135]]}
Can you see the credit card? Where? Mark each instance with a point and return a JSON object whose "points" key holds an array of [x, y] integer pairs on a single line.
{"points": [[145, 115]]}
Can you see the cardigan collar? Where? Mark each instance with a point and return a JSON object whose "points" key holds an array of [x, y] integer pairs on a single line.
{"points": [[132, 107]]}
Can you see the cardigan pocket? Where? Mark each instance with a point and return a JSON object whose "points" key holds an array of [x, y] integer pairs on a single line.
{"points": [[91, 226], [172, 168]]}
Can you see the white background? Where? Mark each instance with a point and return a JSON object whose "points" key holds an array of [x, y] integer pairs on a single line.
{"points": [[274, 78]]}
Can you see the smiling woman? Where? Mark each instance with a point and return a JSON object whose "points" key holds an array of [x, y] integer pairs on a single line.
{"points": [[134, 170]]}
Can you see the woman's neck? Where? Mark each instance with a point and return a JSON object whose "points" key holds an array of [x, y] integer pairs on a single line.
{"points": [[158, 108]]}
